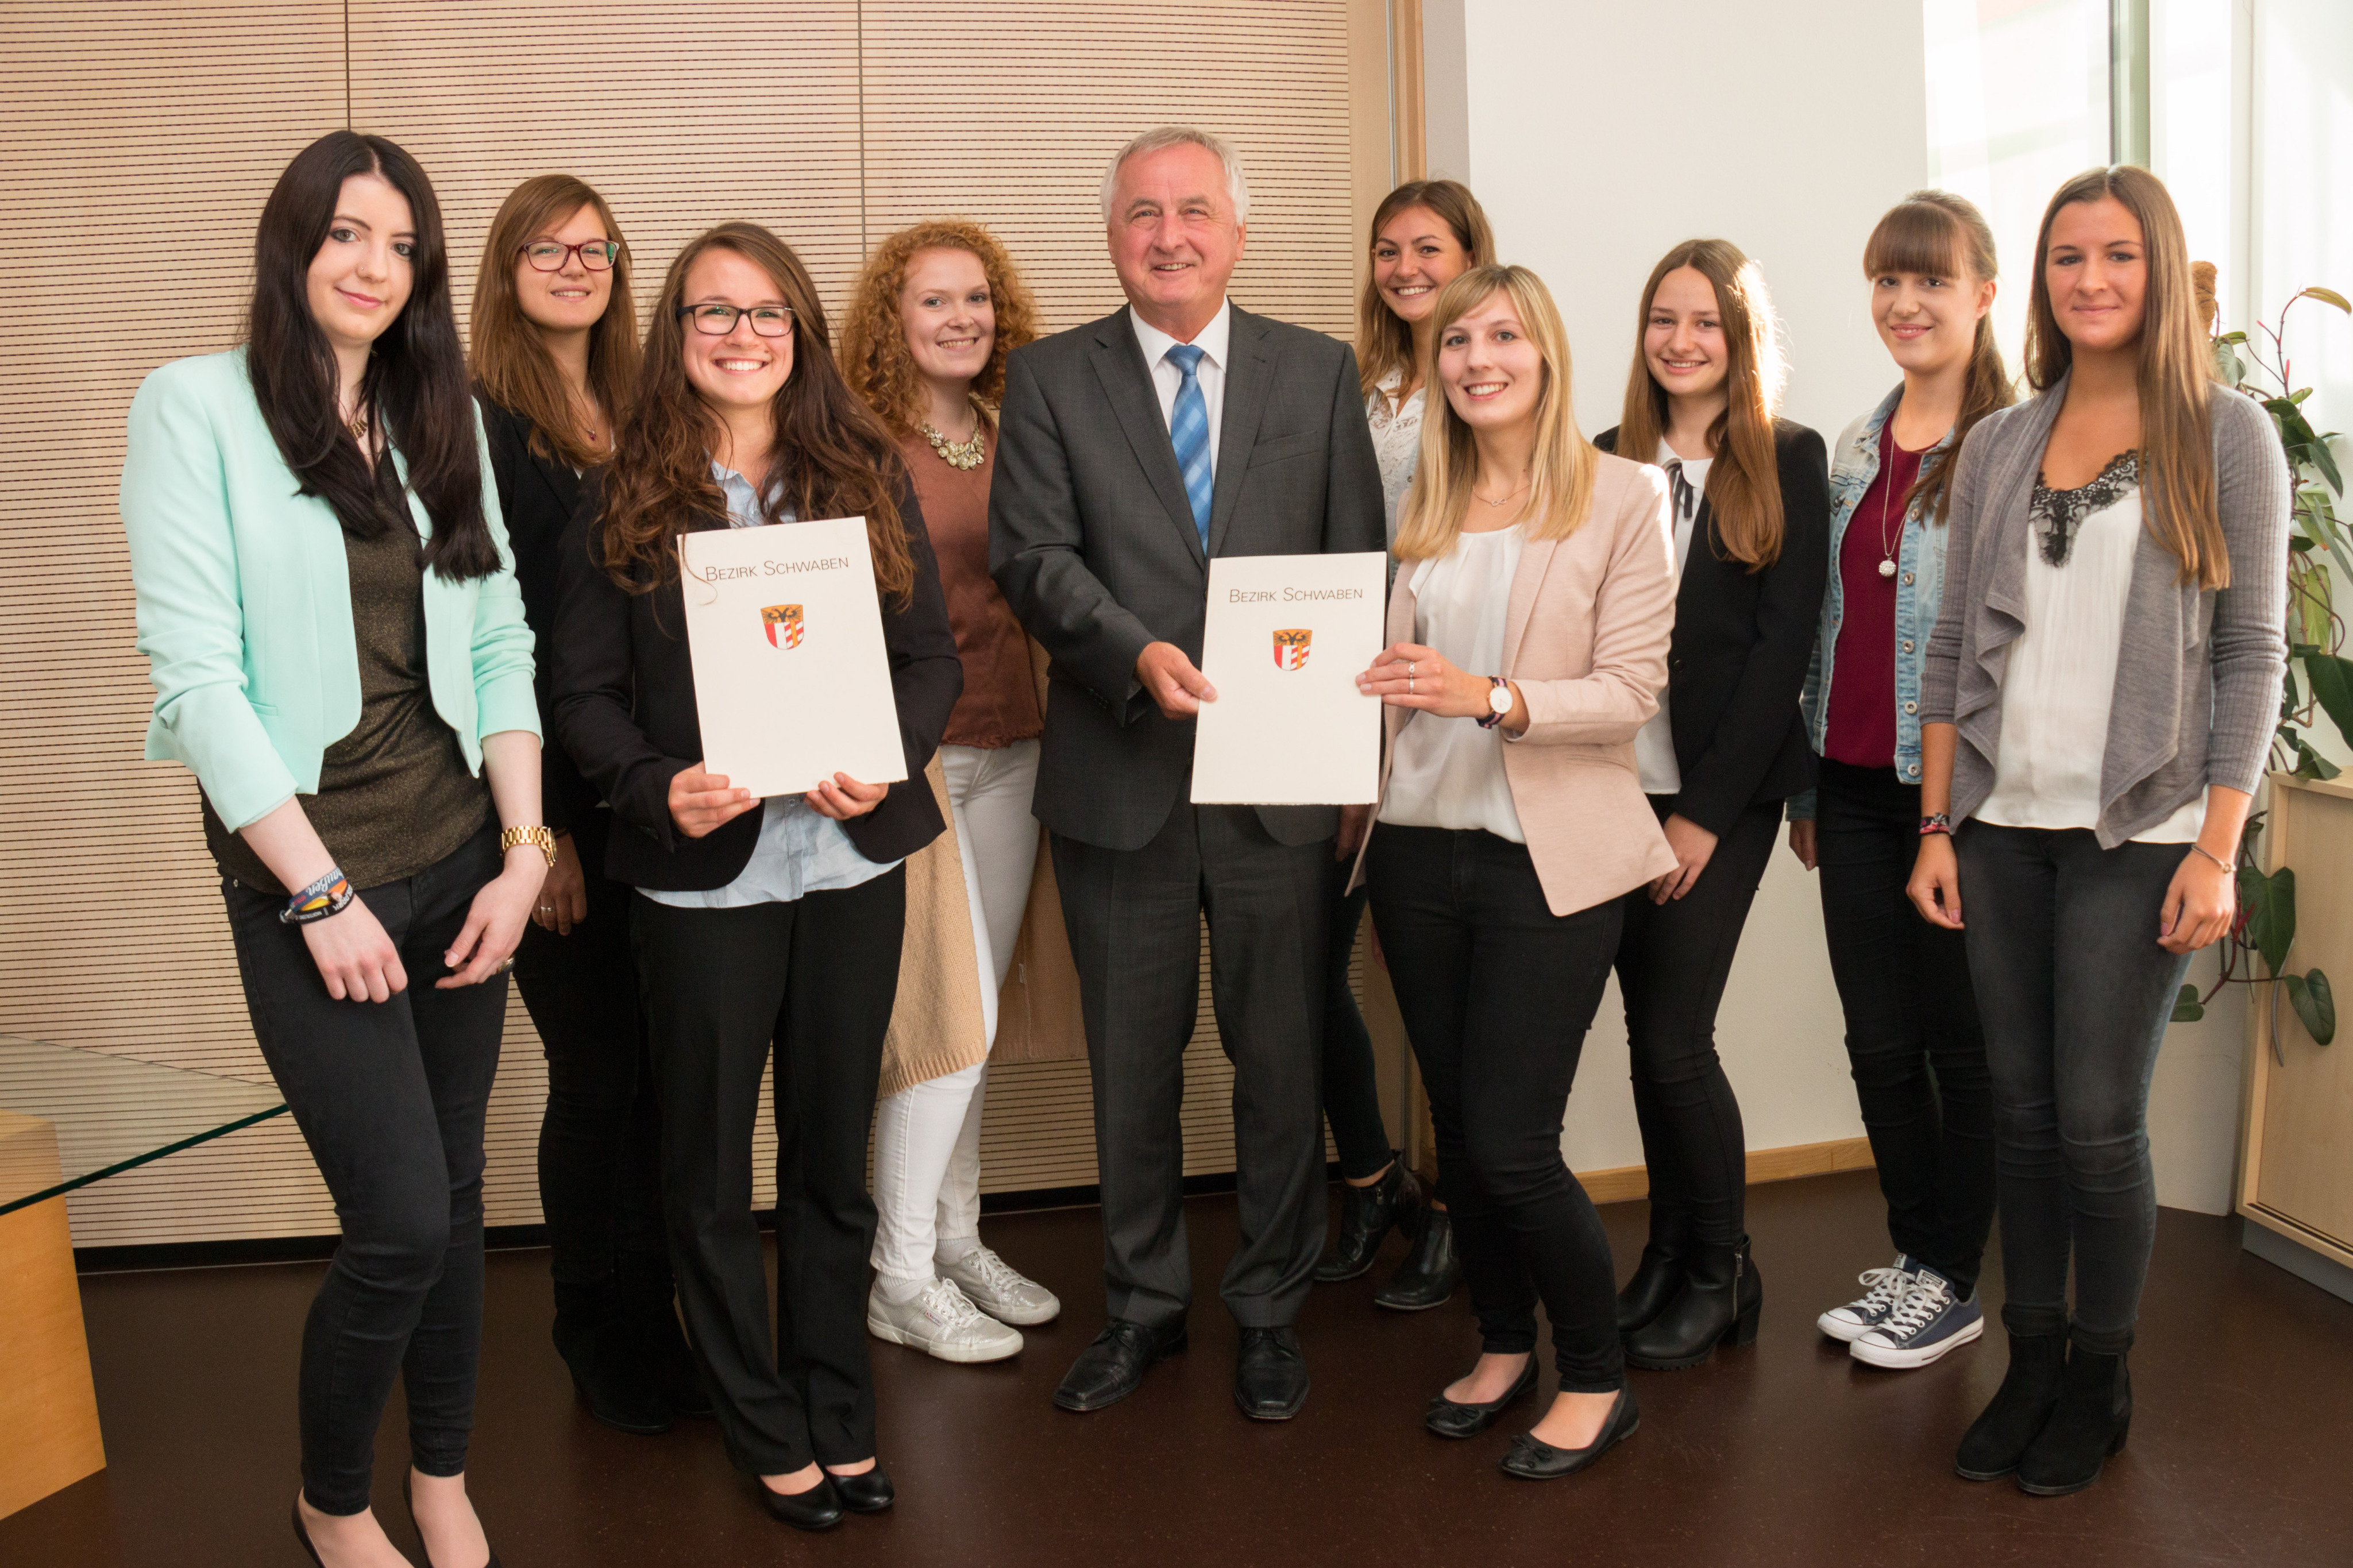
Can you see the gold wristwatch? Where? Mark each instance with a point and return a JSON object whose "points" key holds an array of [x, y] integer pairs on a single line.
{"points": [[540, 837]]}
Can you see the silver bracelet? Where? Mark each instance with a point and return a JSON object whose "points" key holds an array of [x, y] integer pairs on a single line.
{"points": [[2211, 856]]}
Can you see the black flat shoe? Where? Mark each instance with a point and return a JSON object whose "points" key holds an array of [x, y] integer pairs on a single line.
{"points": [[1457, 1418], [408, 1498], [1722, 1299], [1271, 1374], [1112, 1368], [868, 1492], [302, 1534], [1368, 1214], [1429, 1272], [1533, 1459], [816, 1509]]}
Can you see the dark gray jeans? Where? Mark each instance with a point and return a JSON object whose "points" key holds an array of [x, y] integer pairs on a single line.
{"points": [[2075, 993]]}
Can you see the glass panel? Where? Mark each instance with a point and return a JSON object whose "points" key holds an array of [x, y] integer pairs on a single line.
{"points": [[68, 1116], [2193, 118]]}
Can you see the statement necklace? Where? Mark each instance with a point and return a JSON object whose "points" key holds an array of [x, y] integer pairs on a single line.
{"points": [[967, 455]]}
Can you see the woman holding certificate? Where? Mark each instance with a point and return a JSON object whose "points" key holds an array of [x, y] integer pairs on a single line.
{"points": [[1529, 629], [340, 656], [756, 924]]}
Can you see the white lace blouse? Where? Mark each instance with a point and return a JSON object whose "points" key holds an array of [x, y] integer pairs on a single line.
{"points": [[1397, 443]]}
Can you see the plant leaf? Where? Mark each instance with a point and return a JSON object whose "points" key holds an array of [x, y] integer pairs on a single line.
{"points": [[2271, 917], [2327, 297], [2310, 605], [2330, 677], [2315, 1004], [2186, 1009], [2311, 764]]}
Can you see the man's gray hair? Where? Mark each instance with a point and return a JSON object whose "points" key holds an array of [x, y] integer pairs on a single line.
{"points": [[1166, 136]]}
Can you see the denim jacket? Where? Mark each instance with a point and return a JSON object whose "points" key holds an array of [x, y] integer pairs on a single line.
{"points": [[1919, 588]]}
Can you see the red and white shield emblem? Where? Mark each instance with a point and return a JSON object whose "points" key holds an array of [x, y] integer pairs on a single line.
{"points": [[785, 618], [1290, 648]]}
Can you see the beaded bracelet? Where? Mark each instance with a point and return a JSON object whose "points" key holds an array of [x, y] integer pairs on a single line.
{"points": [[1937, 822], [330, 895]]}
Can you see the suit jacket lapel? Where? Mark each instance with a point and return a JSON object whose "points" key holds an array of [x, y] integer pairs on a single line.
{"points": [[1535, 557], [1126, 382], [1249, 372], [561, 481]]}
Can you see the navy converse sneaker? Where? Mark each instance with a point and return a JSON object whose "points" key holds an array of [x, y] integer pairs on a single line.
{"points": [[1885, 1288], [1926, 1323]]}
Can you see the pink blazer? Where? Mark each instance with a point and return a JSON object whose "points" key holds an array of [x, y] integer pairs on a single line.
{"points": [[1586, 642]]}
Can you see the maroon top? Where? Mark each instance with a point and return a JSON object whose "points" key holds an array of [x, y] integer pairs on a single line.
{"points": [[999, 705], [1860, 728]]}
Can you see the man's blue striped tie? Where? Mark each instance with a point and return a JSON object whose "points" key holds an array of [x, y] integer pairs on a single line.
{"points": [[1189, 431]]}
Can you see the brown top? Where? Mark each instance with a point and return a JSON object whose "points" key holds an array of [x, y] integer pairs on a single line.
{"points": [[999, 705], [394, 794]]}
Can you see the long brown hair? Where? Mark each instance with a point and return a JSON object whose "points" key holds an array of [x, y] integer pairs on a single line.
{"points": [[833, 457], [1384, 338], [1936, 234], [875, 358], [511, 361], [2175, 377], [1744, 485]]}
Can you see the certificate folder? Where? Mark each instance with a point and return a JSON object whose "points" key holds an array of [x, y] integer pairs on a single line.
{"points": [[791, 678], [1285, 640]]}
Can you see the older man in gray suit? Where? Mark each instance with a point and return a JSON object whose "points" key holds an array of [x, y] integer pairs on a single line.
{"points": [[1133, 450]]}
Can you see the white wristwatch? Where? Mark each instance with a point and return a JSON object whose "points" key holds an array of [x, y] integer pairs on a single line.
{"points": [[1499, 702]]}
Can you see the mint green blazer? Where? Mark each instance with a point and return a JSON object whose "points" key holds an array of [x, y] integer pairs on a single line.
{"points": [[244, 601]]}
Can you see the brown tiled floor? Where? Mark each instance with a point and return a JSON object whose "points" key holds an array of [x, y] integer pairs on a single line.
{"points": [[1784, 1454]]}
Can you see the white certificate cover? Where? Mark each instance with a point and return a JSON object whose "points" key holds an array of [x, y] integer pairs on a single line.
{"points": [[1287, 637], [791, 679]]}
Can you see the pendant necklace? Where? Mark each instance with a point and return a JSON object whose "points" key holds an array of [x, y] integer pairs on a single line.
{"points": [[965, 455], [1886, 551]]}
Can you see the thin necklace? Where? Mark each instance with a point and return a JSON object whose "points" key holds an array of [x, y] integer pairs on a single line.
{"points": [[965, 455], [1886, 551], [1507, 495]]}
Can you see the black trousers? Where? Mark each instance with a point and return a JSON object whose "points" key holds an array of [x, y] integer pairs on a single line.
{"points": [[1352, 1092], [811, 982], [1674, 960], [600, 1135], [1911, 1034], [2075, 995], [1134, 920], [1497, 993], [391, 1097]]}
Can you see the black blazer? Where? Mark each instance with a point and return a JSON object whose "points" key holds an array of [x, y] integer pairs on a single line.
{"points": [[1743, 640], [625, 709], [1093, 541]]}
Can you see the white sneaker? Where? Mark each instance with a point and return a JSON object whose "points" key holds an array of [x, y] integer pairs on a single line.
{"points": [[940, 1322], [1001, 1290], [1884, 1292], [1930, 1322]]}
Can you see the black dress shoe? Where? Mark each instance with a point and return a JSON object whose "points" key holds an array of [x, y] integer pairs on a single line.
{"points": [[1368, 1214], [1720, 1303], [1457, 1418], [1533, 1459], [869, 1492], [302, 1534], [1112, 1368], [1429, 1272], [816, 1509], [407, 1496], [1270, 1375]]}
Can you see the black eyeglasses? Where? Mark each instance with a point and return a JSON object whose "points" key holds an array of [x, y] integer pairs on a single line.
{"points": [[596, 255], [718, 321]]}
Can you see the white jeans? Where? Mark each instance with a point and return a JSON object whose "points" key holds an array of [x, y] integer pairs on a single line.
{"points": [[927, 1138]]}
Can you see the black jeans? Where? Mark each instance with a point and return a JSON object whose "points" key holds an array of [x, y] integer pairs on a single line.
{"points": [[2075, 995], [1497, 993], [1672, 962], [1912, 1036], [814, 980], [600, 1136], [1352, 1093], [391, 1097]]}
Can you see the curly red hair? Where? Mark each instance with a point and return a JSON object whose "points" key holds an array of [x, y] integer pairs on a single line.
{"points": [[874, 354]]}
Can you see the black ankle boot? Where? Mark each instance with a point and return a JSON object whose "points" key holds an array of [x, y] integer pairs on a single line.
{"points": [[649, 1304], [2092, 1417], [1719, 1304], [1429, 1272], [2002, 1432], [1657, 1277], [600, 1345], [1368, 1214]]}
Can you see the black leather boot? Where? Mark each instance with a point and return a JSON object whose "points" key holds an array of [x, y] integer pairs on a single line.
{"points": [[1660, 1274], [1719, 1304], [600, 1345], [649, 1304], [1368, 1214], [2092, 1419], [1429, 1272], [2022, 1407]]}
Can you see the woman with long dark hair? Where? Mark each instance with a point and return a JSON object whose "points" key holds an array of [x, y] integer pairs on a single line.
{"points": [[1726, 747], [340, 656], [2098, 703], [758, 926]]}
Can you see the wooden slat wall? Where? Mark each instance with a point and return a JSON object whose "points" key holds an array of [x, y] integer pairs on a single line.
{"points": [[153, 130]]}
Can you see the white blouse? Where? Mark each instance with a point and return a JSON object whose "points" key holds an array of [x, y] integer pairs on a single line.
{"points": [[1397, 442], [1654, 742], [1449, 773], [2061, 675]]}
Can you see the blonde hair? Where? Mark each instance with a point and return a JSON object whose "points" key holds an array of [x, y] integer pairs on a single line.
{"points": [[1560, 471]]}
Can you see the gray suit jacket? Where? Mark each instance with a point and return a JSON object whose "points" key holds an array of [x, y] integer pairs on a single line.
{"points": [[1092, 541]]}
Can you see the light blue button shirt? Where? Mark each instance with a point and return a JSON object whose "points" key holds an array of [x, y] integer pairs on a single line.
{"points": [[799, 850]]}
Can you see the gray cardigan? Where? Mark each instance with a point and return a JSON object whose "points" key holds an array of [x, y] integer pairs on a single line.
{"points": [[2198, 680]]}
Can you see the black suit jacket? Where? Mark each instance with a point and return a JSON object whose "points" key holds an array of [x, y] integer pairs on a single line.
{"points": [[624, 710], [1742, 642], [1093, 541]]}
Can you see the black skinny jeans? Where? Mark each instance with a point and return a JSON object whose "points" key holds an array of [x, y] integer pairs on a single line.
{"points": [[390, 1097], [1911, 1034], [600, 1136], [1672, 963], [1352, 1094], [2075, 995], [1497, 993]]}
